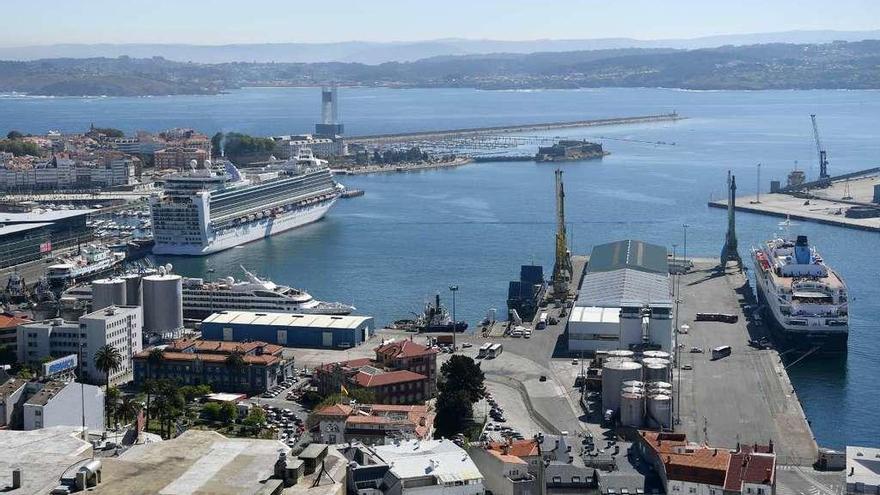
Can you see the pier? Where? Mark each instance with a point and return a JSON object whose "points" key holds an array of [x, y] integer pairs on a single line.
{"points": [[378, 139]]}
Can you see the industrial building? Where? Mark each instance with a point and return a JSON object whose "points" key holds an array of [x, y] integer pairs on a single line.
{"points": [[625, 300], [195, 362], [289, 330], [118, 326], [430, 467], [29, 236]]}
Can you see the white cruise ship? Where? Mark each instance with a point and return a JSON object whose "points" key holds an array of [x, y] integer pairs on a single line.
{"points": [[206, 210], [201, 299], [805, 298]]}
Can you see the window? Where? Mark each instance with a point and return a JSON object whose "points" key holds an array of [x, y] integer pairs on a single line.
{"points": [[575, 479]]}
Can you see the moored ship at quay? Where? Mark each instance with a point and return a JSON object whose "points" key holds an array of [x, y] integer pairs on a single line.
{"points": [[804, 298], [209, 209]]}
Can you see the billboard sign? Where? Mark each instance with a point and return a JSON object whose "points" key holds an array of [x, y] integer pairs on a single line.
{"points": [[60, 365]]}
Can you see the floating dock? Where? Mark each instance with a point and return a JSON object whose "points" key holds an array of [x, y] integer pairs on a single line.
{"points": [[376, 139], [745, 397]]}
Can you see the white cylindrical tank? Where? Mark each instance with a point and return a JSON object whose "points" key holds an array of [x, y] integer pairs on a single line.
{"points": [[614, 373], [632, 409], [133, 289], [621, 353], [655, 354], [108, 292], [656, 369], [659, 411], [634, 384], [662, 387], [163, 303]]}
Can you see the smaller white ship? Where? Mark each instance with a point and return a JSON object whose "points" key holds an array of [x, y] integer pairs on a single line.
{"points": [[92, 261]]}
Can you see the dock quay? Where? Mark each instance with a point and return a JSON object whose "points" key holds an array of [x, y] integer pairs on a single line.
{"points": [[377, 139], [745, 397]]}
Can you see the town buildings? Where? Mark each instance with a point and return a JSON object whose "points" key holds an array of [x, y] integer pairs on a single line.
{"points": [[194, 362], [179, 158], [688, 468], [512, 467], [67, 171], [117, 326], [402, 372], [371, 424], [862, 470], [31, 405]]}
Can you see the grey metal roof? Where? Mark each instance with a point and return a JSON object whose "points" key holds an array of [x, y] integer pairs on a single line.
{"points": [[21, 227], [624, 287], [637, 255]]}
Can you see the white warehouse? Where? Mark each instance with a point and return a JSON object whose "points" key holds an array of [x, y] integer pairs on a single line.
{"points": [[625, 300]]}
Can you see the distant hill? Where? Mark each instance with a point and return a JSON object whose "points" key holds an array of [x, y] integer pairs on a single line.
{"points": [[377, 53], [838, 65]]}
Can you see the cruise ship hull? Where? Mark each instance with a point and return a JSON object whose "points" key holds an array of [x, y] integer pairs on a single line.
{"points": [[249, 232], [815, 341]]}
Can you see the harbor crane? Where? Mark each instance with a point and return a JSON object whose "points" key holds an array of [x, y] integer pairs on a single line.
{"points": [[562, 267], [823, 156]]}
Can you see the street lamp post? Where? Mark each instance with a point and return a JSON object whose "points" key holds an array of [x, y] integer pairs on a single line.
{"points": [[675, 333], [453, 289]]}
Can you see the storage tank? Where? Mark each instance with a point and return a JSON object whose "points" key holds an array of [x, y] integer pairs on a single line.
{"points": [[163, 303], [614, 373], [661, 386], [655, 354], [108, 292], [621, 353], [659, 411], [656, 369], [634, 384], [632, 409], [133, 289]]}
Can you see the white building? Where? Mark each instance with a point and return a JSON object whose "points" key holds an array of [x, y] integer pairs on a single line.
{"points": [[436, 467], [118, 326], [66, 173], [63, 404], [625, 300], [862, 470]]}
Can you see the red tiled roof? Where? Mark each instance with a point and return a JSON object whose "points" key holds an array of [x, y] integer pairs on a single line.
{"points": [[404, 349], [264, 359], [750, 467], [352, 364], [11, 321], [518, 448], [335, 410], [224, 347], [684, 462], [389, 378]]}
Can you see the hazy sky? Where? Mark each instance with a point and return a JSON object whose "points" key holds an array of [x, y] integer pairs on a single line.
{"points": [[244, 21]]}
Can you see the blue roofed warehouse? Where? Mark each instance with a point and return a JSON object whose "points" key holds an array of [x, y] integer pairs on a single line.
{"points": [[290, 330]]}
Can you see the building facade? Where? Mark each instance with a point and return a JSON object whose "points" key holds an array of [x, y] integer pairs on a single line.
{"points": [[179, 158], [117, 326], [371, 424], [63, 404], [195, 362]]}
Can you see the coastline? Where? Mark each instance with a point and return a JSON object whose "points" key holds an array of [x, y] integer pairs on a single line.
{"points": [[402, 167]]}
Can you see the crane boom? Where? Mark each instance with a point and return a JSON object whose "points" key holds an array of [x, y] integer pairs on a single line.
{"points": [[823, 156]]}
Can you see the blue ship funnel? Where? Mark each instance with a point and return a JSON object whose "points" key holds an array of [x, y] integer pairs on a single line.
{"points": [[802, 250]]}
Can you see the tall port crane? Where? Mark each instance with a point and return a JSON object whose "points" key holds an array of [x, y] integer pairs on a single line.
{"points": [[562, 267], [823, 156]]}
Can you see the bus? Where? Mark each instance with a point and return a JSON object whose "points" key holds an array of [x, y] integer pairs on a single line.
{"points": [[720, 352], [484, 349], [494, 351], [542, 321]]}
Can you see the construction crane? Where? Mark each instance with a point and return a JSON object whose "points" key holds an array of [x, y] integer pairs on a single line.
{"points": [[823, 156], [562, 267]]}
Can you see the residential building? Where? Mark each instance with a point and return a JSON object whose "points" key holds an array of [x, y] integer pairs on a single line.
{"points": [[689, 468], [510, 468], [626, 285], [12, 397], [117, 326], [289, 329], [9, 329], [407, 355], [56, 403], [371, 424], [412, 467], [179, 158], [66, 171], [195, 362], [862, 470]]}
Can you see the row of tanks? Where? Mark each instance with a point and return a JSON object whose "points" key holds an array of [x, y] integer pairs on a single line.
{"points": [[637, 388], [158, 293]]}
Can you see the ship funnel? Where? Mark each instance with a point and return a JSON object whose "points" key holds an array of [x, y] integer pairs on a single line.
{"points": [[802, 250]]}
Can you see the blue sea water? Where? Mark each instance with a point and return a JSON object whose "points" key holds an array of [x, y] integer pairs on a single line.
{"points": [[414, 234]]}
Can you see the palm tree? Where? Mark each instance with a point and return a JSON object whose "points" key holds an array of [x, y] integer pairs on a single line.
{"points": [[154, 359], [150, 388], [128, 408], [111, 402], [108, 359], [235, 362]]}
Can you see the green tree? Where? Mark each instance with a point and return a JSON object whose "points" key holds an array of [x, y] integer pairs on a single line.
{"points": [[235, 362], [112, 400], [211, 410], [13, 135], [128, 409], [462, 373], [190, 392], [454, 413], [19, 147], [8, 354], [228, 412], [154, 361], [150, 387], [256, 418], [106, 131], [108, 359], [169, 405], [359, 395]]}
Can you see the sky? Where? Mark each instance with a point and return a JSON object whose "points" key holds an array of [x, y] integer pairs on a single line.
{"points": [[275, 21]]}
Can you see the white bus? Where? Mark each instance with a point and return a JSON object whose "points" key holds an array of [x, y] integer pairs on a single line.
{"points": [[542, 321], [484, 349], [720, 352], [494, 351]]}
